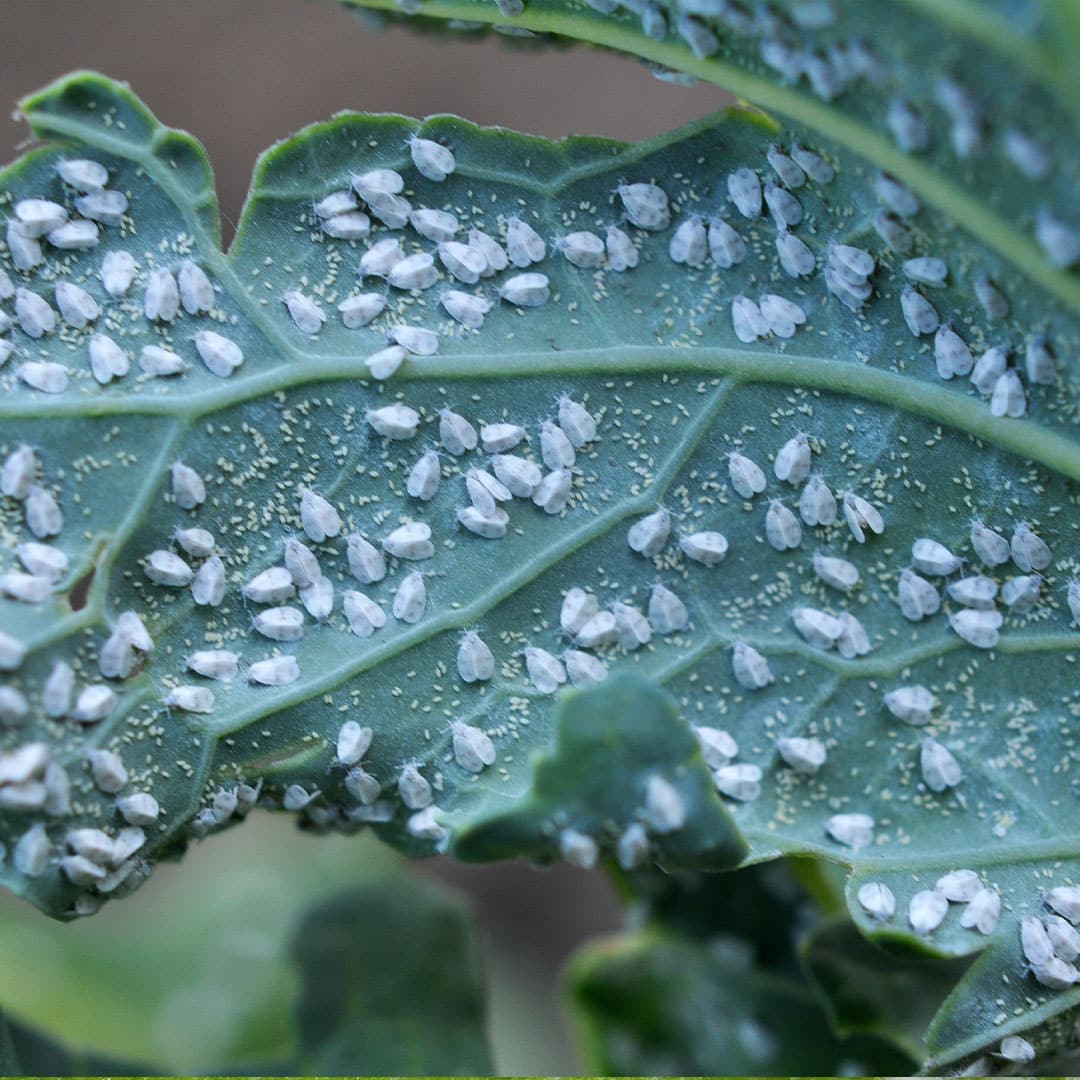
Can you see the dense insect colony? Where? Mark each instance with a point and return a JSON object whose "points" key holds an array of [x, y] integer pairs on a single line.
{"points": [[446, 471]]}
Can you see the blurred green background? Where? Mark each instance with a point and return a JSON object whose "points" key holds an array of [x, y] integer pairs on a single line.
{"points": [[193, 971]]}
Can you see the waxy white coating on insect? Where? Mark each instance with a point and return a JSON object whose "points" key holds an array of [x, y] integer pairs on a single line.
{"points": [[272, 586], [708, 548], [82, 174], [817, 628], [19, 472], [940, 769], [105, 207], [803, 755], [907, 125], [982, 912], [456, 433], [1040, 361], [920, 315], [991, 298], [796, 259], [435, 225], [931, 557], [633, 628], [155, 360], [26, 588], [1059, 240], [1015, 1049], [553, 492], [577, 422], [424, 825], [424, 477], [366, 562], [416, 339], [301, 563], [667, 613], [1027, 153], [582, 249], [353, 742], [632, 847], [786, 210], [220, 354], [599, 629], [578, 849], [194, 699], [951, 354], [410, 600], [744, 190], [208, 586], [12, 652], [414, 789], [166, 568], [853, 640], [25, 250], [788, 172], [893, 231], [926, 911], [44, 375], [466, 309], [297, 797], [363, 614], [584, 670], [393, 211], [497, 438], [665, 811], [520, 475], [556, 450], [812, 163], [36, 317], [746, 476], [220, 664], [491, 249], [36, 217], [917, 597], [1056, 974], [578, 607], [381, 258], [360, 309], [747, 321], [318, 599], [792, 461], [689, 244], [378, 182], [726, 247], [42, 560], [107, 360], [1021, 594], [490, 523], [911, 704], [781, 315], [464, 262], [473, 748], [1073, 599], [646, 205], [782, 528], [1029, 551], [622, 255], [274, 671], [717, 747], [1008, 397], [394, 421], [76, 306], [524, 245], [280, 623], [546, 672], [118, 270], [161, 301], [526, 290], [353, 225], [410, 541], [362, 786], [335, 204], [475, 662], [851, 295], [978, 628], [1063, 937], [989, 368], [44, 518], [188, 488], [751, 669], [94, 703], [860, 515], [319, 519], [739, 782], [485, 491], [836, 572], [386, 362], [926, 270], [897, 196], [58, 690], [649, 535], [14, 708], [306, 315], [431, 159], [1035, 941], [877, 900]]}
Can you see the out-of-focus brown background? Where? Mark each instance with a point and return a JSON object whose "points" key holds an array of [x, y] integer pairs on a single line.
{"points": [[240, 74]]}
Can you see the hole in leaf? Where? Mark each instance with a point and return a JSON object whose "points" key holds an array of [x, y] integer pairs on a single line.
{"points": [[81, 590]]}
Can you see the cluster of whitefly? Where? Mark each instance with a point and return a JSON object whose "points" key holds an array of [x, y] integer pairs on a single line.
{"points": [[979, 903]]}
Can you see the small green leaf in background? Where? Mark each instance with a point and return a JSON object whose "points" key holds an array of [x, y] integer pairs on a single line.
{"points": [[26, 1051], [390, 984]]}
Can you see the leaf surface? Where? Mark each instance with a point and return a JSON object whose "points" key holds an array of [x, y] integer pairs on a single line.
{"points": [[651, 355]]}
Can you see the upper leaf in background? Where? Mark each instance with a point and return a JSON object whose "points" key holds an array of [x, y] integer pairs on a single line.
{"points": [[675, 363]]}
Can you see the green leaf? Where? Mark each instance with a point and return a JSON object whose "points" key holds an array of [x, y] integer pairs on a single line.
{"points": [[391, 983], [871, 991], [711, 985], [652, 356], [1015, 61], [25, 1051]]}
